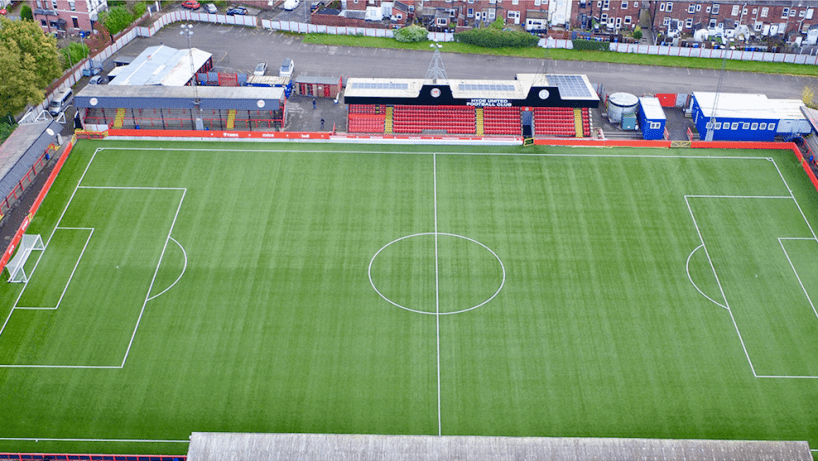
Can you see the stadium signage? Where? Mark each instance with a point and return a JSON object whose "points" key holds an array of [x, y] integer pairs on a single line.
{"points": [[484, 102]]}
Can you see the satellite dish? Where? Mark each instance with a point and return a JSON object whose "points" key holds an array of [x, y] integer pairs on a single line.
{"points": [[50, 132]]}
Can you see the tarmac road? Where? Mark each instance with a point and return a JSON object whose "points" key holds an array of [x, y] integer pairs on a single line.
{"points": [[240, 49]]}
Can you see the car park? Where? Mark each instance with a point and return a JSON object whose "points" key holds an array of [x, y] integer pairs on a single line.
{"points": [[290, 5], [191, 5], [211, 8], [237, 10], [286, 69], [261, 69]]}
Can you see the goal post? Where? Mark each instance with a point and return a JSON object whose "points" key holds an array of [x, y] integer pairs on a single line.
{"points": [[16, 267]]}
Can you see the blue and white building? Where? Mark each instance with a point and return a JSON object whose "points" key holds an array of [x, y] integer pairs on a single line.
{"points": [[651, 118], [746, 117]]}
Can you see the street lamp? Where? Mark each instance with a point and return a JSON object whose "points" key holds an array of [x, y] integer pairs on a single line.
{"points": [[187, 31]]}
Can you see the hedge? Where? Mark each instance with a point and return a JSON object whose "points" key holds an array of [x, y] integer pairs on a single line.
{"points": [[592, 45], [411, 34], [488, 37]]}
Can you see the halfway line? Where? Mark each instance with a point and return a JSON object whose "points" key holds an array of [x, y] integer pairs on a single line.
{"points": [[437, 296]]}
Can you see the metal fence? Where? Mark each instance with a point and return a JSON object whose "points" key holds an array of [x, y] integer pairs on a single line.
{"points": [[737, 55]]}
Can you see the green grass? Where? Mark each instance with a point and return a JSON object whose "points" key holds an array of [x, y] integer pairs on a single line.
{"points": [[570, 55], [274, 326]]}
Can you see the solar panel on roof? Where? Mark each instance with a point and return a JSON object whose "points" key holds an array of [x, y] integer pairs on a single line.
{"points": [[379, 86], [571, 86], [484, 87]]}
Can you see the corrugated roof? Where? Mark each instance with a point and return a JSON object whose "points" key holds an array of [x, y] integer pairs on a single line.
{"points": [[162, 65], [788, 109], [179, 97], [734, 105], [22, 148], [652, 108], [320, 80], [326, 447]]}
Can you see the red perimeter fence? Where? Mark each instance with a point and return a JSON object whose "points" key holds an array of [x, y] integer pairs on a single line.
{"points": [[76, 457]]}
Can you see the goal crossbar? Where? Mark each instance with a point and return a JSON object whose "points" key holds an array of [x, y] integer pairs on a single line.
{"points": [[16, 267]]}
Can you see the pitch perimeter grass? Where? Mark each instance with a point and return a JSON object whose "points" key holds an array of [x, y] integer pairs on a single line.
{"points": [[263, 315]]}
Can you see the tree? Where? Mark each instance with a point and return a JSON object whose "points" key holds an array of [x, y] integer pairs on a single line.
{"points": [[73, 53], [29, 62], [411, 34], [98, 40], [25, 13], [116, 19], [637, 33], [139, 9]]}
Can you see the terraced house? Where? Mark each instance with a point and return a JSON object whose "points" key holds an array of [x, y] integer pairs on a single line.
{"points": [[67, 16]]}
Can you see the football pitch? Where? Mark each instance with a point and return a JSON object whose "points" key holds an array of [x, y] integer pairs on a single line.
{"points": [[468, 290]]}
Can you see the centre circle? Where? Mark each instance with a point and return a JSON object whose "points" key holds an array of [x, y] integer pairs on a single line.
{"points": [[436, 273]]}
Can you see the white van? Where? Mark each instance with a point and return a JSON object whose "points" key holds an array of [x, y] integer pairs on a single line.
{"points": [[59, 103]]}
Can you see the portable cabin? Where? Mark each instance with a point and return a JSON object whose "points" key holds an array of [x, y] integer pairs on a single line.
{"points": [[652, 118], [737, 117]]}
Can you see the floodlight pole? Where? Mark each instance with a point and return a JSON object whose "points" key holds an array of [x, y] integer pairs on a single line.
{"points": [[711, 126], [187, 31], [436, 70]]}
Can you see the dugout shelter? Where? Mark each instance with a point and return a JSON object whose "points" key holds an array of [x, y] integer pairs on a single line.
{"points": [[546, 105], [175, 108]]}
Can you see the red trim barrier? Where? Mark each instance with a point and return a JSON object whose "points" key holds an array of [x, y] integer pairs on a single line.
{"points": [[207, 134], [34, 207], [81, 457], [601, 142]]}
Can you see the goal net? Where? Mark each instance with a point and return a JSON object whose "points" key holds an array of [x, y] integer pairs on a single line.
{"points": [[16, 267]]}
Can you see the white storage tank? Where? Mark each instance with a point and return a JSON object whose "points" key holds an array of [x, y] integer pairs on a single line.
{"points": [[620, 104]]}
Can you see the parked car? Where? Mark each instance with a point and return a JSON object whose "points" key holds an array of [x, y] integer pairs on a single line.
{"points": [[60, 102], [239, 10], [98, 80], [290, 5], [286, 69], [191, 5], [211, 8], [261, 69]]}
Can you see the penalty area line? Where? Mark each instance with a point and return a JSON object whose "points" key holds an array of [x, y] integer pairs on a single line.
{"points": [[49, 439]]}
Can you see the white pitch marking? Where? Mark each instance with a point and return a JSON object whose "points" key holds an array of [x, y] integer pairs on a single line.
{"points": [[742, 196], [721, 289], [374, 287], [687, 268], [798, 277], [794, 199], [437, 297], [53, 231], [62, 295], [184, 253], [28, 439], [155, 272]]}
